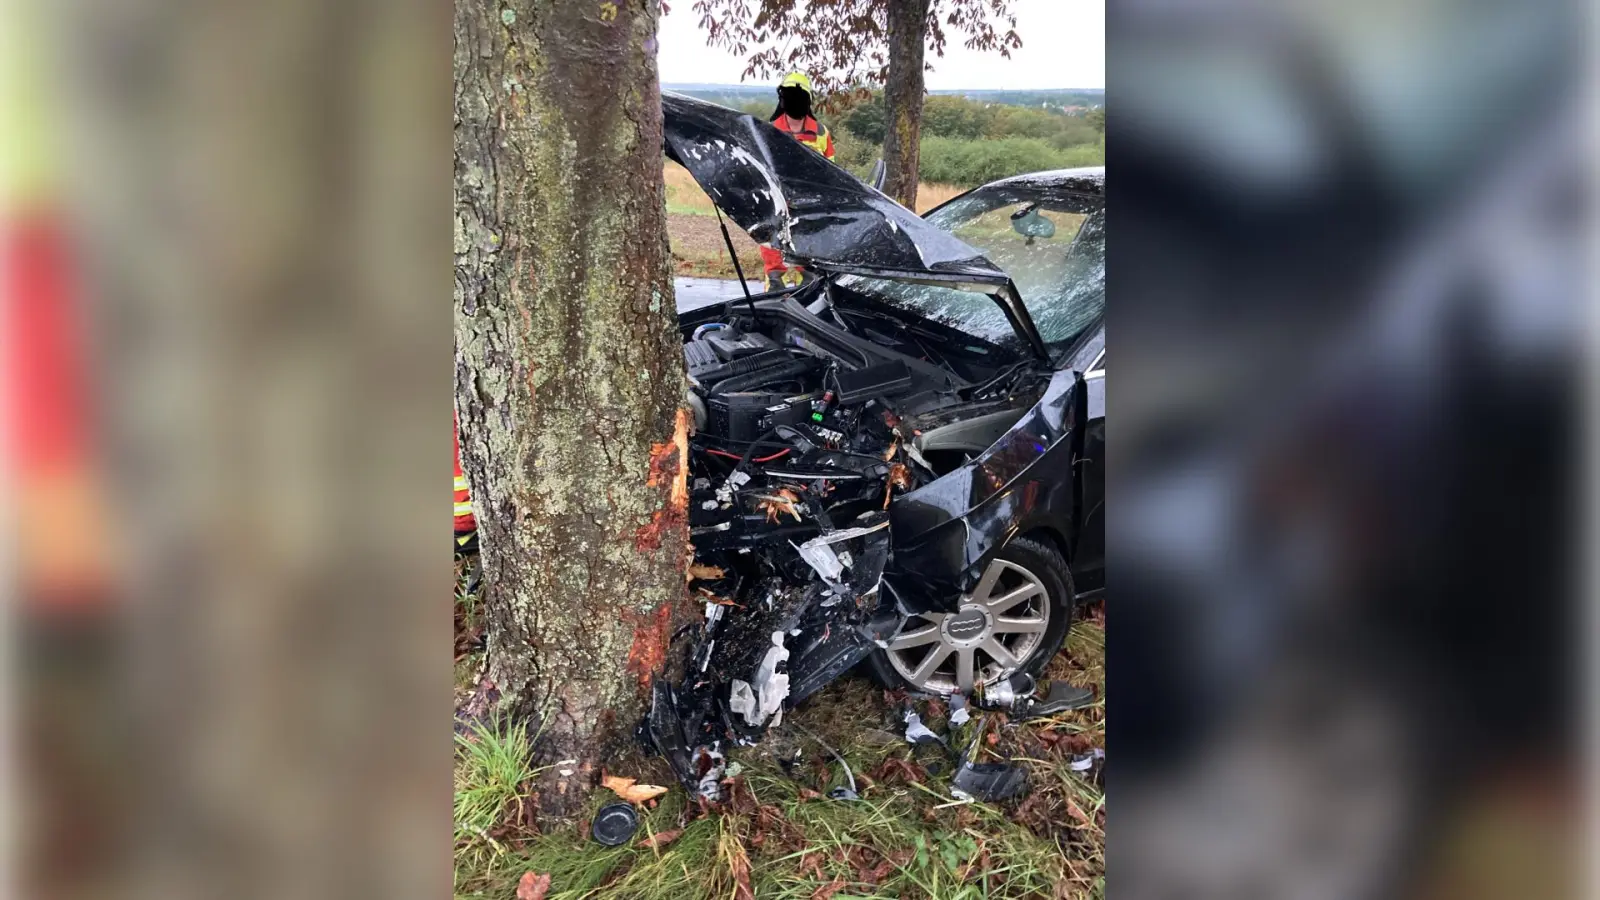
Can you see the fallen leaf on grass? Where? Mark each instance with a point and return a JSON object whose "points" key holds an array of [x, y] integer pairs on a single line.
{"points": [[739, 865], [811, 866], [627, 789], [533, 886], [894, 769], [827, 891], [661, 839], [709, 573], [1077, 813]]}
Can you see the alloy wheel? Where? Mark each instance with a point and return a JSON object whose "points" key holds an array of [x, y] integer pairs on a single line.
{"points": [[996, 628]]}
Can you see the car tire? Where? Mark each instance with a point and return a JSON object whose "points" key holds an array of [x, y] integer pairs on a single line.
{"points": [[1047, 613]]}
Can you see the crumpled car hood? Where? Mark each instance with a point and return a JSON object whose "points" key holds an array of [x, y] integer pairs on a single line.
{"points": [[818, 214]]}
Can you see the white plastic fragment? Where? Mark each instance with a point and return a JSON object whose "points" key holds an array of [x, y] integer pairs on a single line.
{"points": [[959, 713], [742, 700], [916, 732], [1086, 762], [772, 686], [710, 784], [830, 564], [819, 556]]}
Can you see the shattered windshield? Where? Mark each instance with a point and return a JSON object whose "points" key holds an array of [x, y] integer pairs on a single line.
{"points": [[1052, 245]]}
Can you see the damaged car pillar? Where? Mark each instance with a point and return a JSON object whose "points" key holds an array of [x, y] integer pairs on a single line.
{"points": [[868, 482]]}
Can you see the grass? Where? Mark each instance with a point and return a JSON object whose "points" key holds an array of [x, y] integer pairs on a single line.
{"points": [[931, 195], [684, 196], [492, 777], [780, 835]]}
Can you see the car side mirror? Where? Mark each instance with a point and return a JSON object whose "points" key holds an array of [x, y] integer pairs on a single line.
{"points": [[1028, 223], [879, 171]]}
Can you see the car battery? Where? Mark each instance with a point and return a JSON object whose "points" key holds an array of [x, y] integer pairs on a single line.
{"points": [[788, 411], [739, 415]]}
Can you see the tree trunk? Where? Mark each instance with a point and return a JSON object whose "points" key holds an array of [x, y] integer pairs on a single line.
{"points": [[569, 368], [902, 98]]}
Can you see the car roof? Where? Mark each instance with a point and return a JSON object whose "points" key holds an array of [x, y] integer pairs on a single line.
{"points": [[1091, 179]]}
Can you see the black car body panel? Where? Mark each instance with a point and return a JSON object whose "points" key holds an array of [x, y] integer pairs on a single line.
{"points": [[945, 531], [823, 218], [853, 463]]}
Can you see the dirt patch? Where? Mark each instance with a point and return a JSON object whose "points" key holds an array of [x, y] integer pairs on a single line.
{"points": [[698, 249]]}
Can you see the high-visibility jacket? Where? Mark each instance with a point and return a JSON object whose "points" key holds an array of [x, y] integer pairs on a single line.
{"points": [[466, 524], [816, 136], [811, 133]]}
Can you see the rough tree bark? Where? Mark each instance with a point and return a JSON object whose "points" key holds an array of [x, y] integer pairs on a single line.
{"points": [[569, 370], [902, 98]]}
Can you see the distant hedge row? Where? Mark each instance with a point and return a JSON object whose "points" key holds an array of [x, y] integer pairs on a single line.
{"points": [[966, 143], [969, 163]]}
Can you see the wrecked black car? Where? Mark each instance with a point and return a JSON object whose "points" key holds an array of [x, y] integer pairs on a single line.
{"points": [[898, 463]]}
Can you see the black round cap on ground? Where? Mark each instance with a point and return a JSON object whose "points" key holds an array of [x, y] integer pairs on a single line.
{"points": [[614, 825]]}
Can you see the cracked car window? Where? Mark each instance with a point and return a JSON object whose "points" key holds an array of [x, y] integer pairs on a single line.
{"points": [[1058, 265]]}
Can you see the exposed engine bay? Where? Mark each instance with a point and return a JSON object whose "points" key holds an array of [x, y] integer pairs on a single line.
{"points": [[809, 422]]}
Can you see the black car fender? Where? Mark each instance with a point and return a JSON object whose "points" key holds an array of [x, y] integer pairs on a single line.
{"points": [[944, 533]]}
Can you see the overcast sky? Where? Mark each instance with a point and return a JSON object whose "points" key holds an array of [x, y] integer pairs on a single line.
{"points": [[1063, 46]]}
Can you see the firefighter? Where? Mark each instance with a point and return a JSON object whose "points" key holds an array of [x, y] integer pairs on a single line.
{"points": [[793, 117], [466, 523]]}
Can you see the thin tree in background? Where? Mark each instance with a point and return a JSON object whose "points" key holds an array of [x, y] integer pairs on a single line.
{"points": [[852, 45], [569, 369]]}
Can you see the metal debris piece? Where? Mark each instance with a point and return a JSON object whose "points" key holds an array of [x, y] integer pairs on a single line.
{"points": [[1007, 694]]}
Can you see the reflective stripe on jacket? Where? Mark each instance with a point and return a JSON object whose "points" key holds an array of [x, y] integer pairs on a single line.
{"points": [[811, 133], [465, 522]]}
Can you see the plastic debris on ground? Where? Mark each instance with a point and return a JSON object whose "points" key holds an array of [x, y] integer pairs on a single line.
{"points": [[959, 714], [918, 733], [1061, 698], [986, 782], [715, 769], [1085, 761], [614, 825]]}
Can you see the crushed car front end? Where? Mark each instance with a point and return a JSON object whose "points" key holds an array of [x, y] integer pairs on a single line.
{"points": [[851, 466]]}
